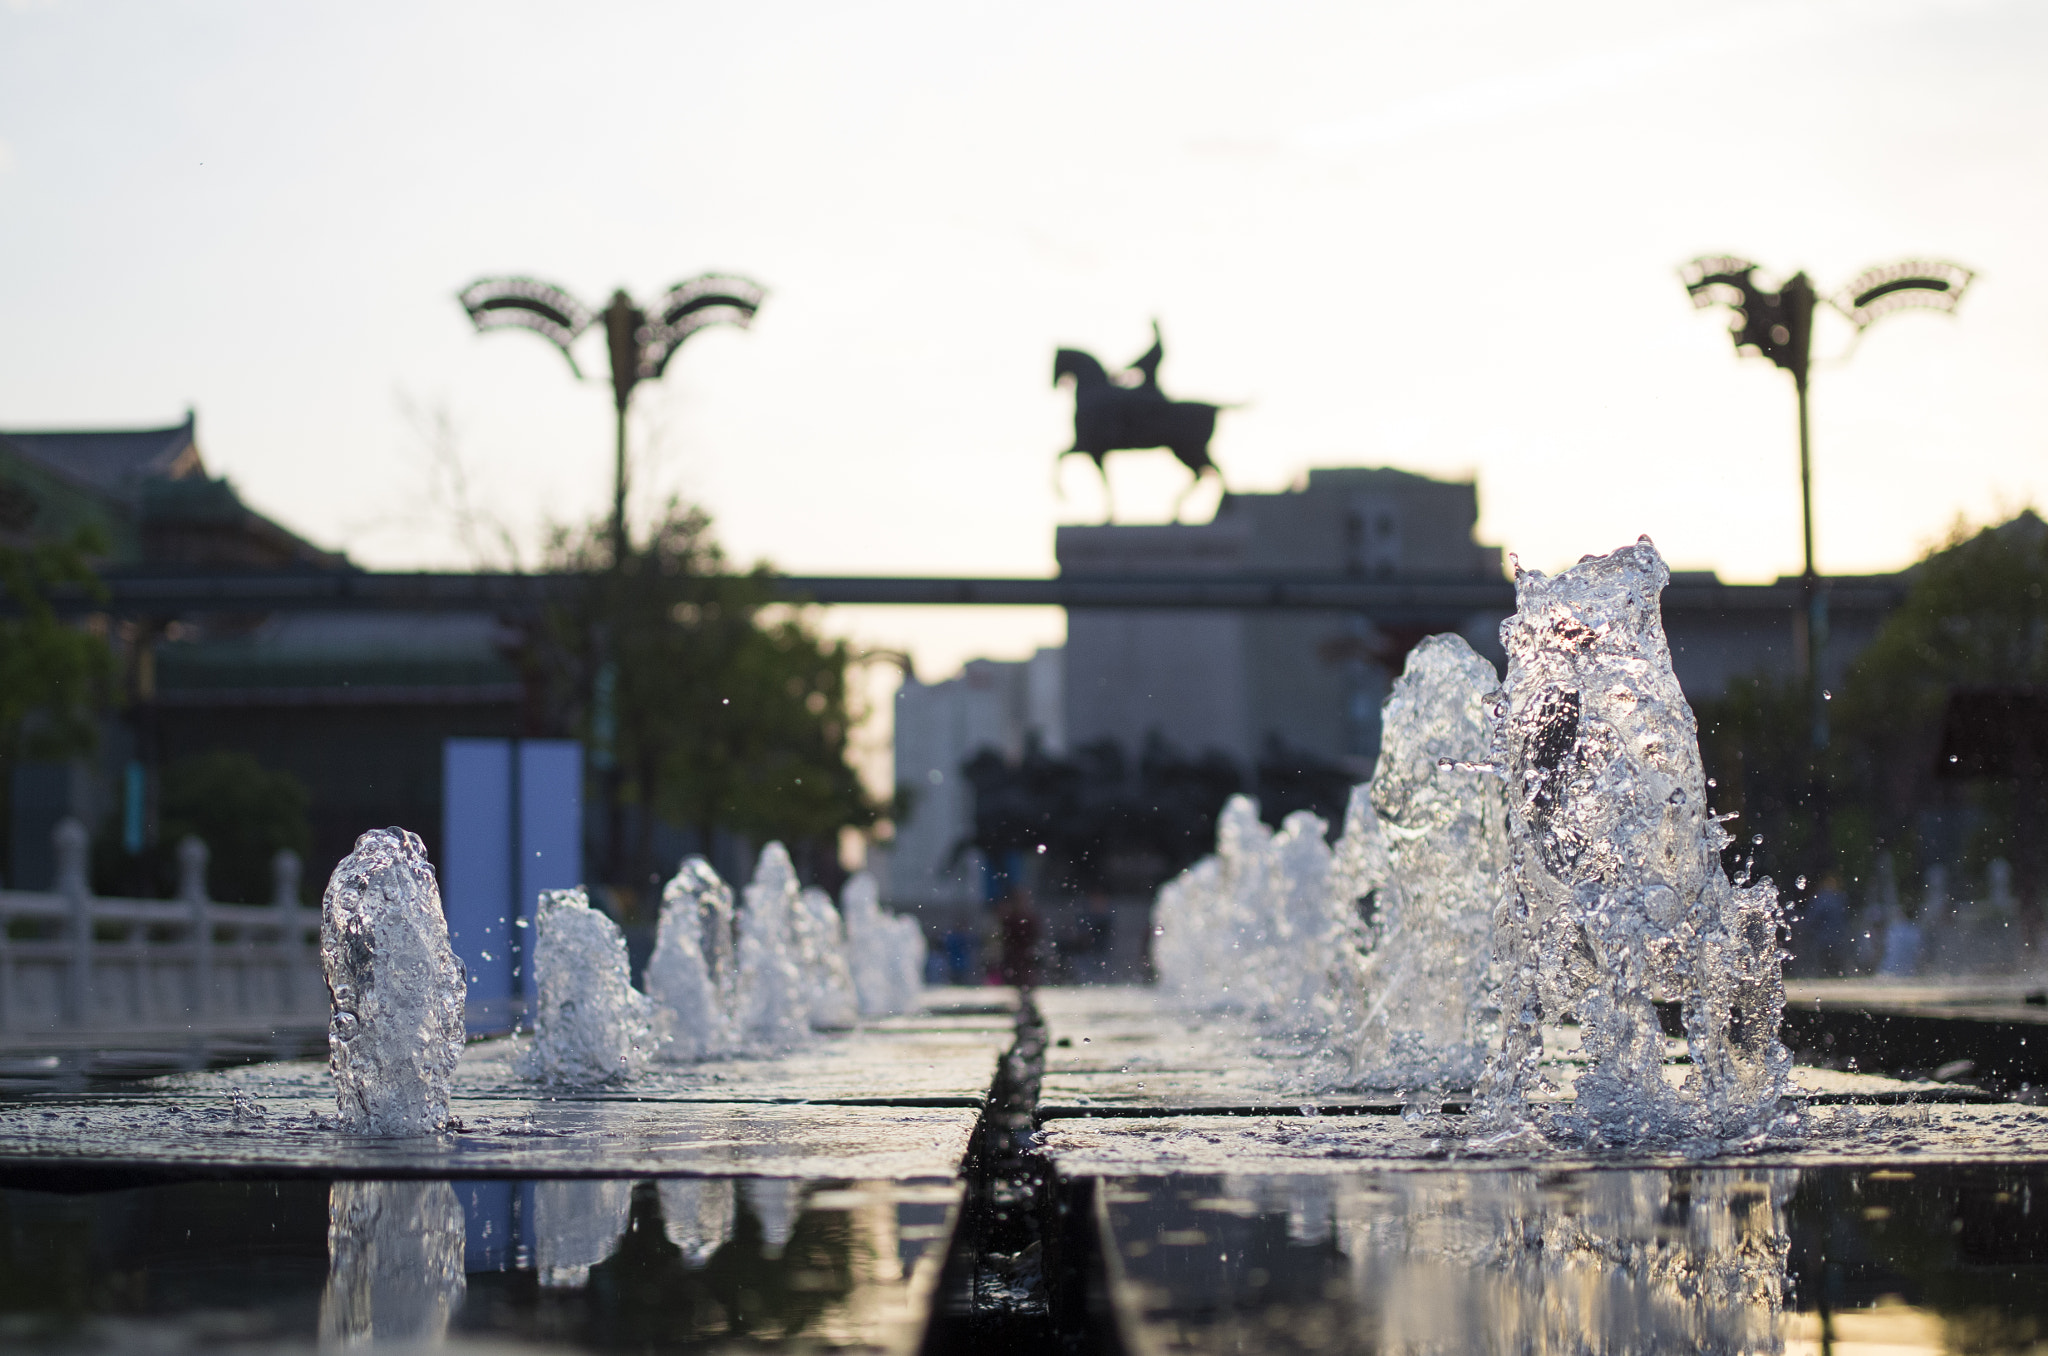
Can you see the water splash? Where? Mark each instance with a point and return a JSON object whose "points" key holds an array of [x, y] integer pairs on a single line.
{"points": [[692, 978], [1617, 897], [396, 986], [886, 953], [821, 949], [590, 1025], [771, 1006], [1425, 977], [1255, 928]]}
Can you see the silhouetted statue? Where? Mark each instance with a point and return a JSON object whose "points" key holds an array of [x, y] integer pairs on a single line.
{"points": [[1111, 417]]}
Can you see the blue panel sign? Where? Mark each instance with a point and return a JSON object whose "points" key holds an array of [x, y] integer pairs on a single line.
{"points": [[512, 826]]}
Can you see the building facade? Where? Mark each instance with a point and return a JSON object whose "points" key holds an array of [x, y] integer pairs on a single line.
{"points": [[1239, 681]]}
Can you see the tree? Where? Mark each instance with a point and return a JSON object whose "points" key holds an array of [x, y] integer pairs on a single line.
{"points": [[55, 679], [243, 811], [1975, 618], [704, 703]]}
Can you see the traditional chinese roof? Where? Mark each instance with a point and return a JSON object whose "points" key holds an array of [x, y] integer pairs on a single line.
{"points": [[115, 462]]}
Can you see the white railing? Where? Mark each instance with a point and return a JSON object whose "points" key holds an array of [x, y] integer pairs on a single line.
{"points": [[72, 965]]}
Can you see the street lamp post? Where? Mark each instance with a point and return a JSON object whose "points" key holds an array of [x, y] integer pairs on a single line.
{"points": [[640, 341], [1779, 325]]}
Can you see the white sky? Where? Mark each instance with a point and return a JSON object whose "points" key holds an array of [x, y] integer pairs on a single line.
{"points": [[1441, 237]]}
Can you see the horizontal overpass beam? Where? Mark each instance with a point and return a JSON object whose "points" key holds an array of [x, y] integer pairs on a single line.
{"points": [[182, 595]]}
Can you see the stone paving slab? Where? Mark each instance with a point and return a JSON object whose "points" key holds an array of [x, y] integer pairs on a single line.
{"points": [[1247, 1092], [1154, 1146], [1122, 1051], [243, 1136]]}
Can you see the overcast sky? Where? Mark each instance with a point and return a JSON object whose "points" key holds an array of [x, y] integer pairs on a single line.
{"points": [[1441, 237]]}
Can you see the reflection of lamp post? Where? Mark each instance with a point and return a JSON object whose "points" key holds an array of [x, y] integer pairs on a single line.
{"points": [[640, 342], [1779, 325]]}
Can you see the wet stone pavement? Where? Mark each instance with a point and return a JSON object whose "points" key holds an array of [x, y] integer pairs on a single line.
{"points": [[1084, 1171]]}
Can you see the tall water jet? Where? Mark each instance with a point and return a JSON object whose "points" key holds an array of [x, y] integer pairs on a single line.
{"points": [[692, 979], [396, 986], [886, 953], [590, 1024], [821, 946], [772, 1008], [1617, 897], [1429, 1015]]}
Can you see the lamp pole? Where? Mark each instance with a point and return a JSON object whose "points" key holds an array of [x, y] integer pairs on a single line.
{"points": [[639, 341], [1779, 325]]}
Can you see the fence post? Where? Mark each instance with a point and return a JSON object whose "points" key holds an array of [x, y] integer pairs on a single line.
{"points": [[285, 870], [192, 858], [70, 839]]}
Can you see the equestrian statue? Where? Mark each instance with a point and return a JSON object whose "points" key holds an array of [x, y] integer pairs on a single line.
{"points": [[1111, 415]]}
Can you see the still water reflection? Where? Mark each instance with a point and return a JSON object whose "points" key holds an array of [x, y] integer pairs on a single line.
{"points": [[1722, 1260], [671, 1265]]}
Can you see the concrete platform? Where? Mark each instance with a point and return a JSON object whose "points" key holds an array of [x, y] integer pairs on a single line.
{"points": [[219, 1136], [1164, 1145], [897, 1098], [1992, 1030], [1122, 1052]]}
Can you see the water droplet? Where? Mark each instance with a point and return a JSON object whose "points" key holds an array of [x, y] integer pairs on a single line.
{"points": [[1799, 882], [1826, 695], [345, 1025], [1711, 783], [1308, 1110]]}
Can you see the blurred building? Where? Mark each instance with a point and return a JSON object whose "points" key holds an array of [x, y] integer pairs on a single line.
{"points": [[1157, 708], [353, 705], [931, 864], [1241, 681]]}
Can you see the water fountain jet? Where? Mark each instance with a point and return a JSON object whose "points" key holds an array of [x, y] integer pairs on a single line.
{"points": [[397, 989]]}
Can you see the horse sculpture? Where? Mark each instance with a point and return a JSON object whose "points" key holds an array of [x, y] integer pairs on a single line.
{"points": [[1112, 417]]}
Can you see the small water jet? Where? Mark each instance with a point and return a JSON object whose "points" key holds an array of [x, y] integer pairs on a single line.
{"points": [[1617, 897], [771, 1005], [1255, 928], [590, 1024], [692, 978], [887, 953], [821, 949], [396, 987]]}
